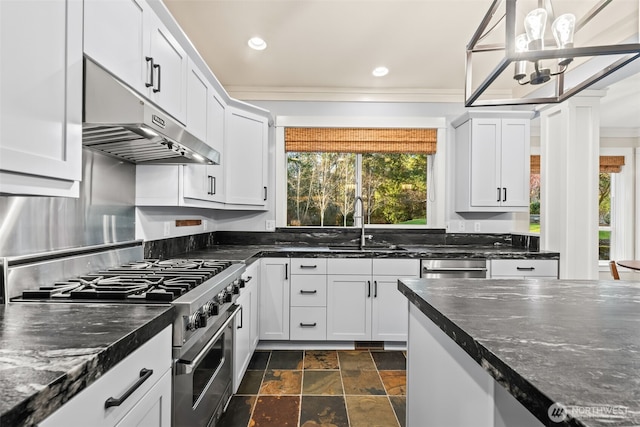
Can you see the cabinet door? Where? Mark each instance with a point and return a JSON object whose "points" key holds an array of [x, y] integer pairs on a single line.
{"points": [[169, 90], [114, 38], [154, 409], [515, 163], [242, 345], [485, 162], [215, 138], [198, 92], [254, 335], [390, 310], [244, 153], [41, 97], [349, 307], [274, 299]]}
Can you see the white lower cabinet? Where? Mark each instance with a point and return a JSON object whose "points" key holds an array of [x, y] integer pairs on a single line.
{"points": [[308, 299], [363, 301], [149, 402], [274, 299], [524, 269], [246, 324]]}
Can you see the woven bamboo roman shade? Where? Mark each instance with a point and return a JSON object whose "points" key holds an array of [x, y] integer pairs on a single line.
{"points": [[608, 164], [361, 140]]}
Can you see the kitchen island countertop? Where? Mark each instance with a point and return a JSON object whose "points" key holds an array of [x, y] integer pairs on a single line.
{"points": [[571, 342], [51, 352]]}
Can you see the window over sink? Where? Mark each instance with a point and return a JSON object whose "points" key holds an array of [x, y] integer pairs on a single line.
{"points": [[327, 168]]}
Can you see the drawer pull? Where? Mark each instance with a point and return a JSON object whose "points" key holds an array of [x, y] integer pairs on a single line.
{"points": [[308, 266], [308, 325], [302, 291], [525, 268], [144, 375]]}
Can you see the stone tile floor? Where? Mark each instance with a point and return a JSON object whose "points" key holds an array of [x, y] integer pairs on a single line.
{"points": [[359, 388]]}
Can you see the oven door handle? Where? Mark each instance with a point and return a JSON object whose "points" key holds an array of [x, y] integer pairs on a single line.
{"points": [[186, 366]]}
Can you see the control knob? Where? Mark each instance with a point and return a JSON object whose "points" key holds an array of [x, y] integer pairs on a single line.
{"points": [[197, 320], [211, 308]]}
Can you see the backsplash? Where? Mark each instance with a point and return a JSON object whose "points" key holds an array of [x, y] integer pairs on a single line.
{"points": [[166, 248], [104, 212]]}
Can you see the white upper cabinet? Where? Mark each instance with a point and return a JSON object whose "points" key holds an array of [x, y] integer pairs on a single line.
{"points": [[245, 154], [128, 39], [492, 164], [41, 97]]}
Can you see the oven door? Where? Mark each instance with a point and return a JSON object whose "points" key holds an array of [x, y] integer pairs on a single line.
{"points": [[202, 382]]}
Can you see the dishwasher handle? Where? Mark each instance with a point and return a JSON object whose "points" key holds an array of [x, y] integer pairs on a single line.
{"points": [[452, 269]]}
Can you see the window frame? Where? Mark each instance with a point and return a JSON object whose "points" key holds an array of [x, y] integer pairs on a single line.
{"points": [[622, 207], [435, 208]]}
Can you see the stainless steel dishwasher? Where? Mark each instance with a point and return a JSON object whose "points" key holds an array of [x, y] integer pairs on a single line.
{"points": [[453, 268]]}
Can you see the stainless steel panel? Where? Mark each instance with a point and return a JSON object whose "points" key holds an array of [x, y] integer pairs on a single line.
{"points": [[104, 212], [453, 268]]}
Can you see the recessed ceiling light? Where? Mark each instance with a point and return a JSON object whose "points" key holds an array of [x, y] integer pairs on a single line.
{"points": [[380, 71], [257, 43]]}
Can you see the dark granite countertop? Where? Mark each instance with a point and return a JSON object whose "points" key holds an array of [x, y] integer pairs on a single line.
{"points": [[546, 341], [51, 352], [250, 252]]}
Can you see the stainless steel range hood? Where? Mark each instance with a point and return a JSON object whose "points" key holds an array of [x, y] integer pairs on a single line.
{"points": [[121, 123]]}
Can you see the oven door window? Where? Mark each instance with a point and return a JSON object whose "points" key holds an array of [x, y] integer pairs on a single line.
{"points": [[205, 373]]}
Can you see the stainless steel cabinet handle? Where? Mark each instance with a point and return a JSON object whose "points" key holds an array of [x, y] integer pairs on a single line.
{"points": [[308, 266], [157, 89], [308, 325], [302, 291], [150, 82], [498, 195], [212, 185], [525, 268], [375, 289], [265, 193], [504, 194], [368, 288], [145, 374]]}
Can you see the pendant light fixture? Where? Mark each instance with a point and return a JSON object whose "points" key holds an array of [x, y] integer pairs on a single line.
{"points": [[538, 60]]}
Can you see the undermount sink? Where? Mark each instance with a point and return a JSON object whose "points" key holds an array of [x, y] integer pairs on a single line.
{"points": [[367, 248]]}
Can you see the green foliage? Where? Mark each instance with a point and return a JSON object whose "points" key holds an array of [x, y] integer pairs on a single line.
{"points": [[321, 188]]}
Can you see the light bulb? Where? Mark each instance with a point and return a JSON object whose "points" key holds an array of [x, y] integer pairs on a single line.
{"points": [[521, 43], [563, 28], [535, 23]]}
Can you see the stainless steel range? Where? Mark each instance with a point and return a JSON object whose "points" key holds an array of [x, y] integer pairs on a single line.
{"points": [[202, 291]]}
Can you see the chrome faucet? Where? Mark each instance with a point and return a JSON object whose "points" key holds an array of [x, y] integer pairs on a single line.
{"points": [[361, 216]]}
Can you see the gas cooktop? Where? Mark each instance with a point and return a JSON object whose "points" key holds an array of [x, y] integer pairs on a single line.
{"points": [[146, 281]]}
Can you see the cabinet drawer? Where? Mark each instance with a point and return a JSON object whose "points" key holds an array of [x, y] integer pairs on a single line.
{"points": [[396, 267], [308, 323], [309, 291], [88, 407], [308, 266], [349, 266], [524, 267]]}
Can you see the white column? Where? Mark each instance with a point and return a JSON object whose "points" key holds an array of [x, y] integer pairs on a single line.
{"points": [[569, 165]]}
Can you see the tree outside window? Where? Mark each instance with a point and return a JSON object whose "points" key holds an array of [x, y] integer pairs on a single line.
{"points": [[321, 188]]}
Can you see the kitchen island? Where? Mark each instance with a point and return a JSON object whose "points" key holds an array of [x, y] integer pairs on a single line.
{"points": [[523, 352], [51, 352]]}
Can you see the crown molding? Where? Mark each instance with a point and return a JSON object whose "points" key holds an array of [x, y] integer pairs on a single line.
{"points": [[255, 93]]}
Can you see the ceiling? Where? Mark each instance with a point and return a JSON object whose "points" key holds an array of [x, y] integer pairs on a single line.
{"points": [[326, 50]]}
